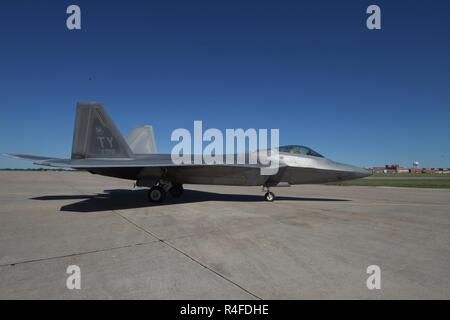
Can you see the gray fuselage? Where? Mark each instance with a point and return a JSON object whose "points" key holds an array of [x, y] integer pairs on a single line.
{"points": [[293, 169]]}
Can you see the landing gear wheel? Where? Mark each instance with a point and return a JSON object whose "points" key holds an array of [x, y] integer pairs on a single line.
{"points": [[269, 196], [156, 194], [176, 191]]}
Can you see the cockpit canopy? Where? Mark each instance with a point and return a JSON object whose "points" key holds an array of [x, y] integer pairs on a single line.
{"points": [[294, 149]]}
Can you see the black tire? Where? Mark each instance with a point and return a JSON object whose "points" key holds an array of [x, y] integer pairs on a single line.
{"points": [[269, 196], [156, 194], [176, 191]]}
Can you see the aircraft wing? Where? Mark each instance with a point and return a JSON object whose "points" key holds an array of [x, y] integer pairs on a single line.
{"points": [[156, 161], [127, 163], [97, 143]]}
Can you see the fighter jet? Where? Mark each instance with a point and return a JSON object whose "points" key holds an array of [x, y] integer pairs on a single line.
{"points": [[98, 147]]}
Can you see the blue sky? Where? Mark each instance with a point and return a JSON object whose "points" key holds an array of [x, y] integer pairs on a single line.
{"points": [[310, 68]]}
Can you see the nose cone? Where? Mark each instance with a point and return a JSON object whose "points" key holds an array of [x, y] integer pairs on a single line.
{"points": [[357, 172], [350, 172], [345, 171], [361, 173]]}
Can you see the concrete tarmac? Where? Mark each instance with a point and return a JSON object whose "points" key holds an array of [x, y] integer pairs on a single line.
{"points": [[313, 242]]}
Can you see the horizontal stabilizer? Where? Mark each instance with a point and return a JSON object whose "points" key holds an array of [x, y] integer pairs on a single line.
{"points": [[36, 159], [27, 157]]}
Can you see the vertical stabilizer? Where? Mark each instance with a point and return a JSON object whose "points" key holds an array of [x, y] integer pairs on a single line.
{"points": [[141, 140], [95, 135]]}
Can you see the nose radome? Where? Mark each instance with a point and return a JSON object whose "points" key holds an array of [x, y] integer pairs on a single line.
{"points": [[348, 172], [362, 173]]}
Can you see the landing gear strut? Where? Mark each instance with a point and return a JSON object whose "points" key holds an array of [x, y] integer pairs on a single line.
{"points": [[269, 196]]}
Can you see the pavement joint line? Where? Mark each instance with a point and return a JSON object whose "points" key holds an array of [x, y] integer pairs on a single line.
{"points": [[186, 236], [188, 256], [74, 254], [77, 254]]}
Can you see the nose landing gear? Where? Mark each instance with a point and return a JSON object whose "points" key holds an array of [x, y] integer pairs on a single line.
{"points": [[269, 196]]}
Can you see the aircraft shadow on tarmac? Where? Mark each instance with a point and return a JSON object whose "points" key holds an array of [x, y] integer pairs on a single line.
{"points": [[119, 199]]}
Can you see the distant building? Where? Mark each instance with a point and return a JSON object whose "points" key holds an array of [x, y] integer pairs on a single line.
{"points": [[395, 168]]}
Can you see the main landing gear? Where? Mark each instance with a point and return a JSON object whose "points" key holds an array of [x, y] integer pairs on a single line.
{"points": [[269, 196], [157, 193]]}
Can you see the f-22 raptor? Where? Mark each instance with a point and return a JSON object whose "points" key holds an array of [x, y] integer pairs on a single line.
{"points": [[98, 147]]}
